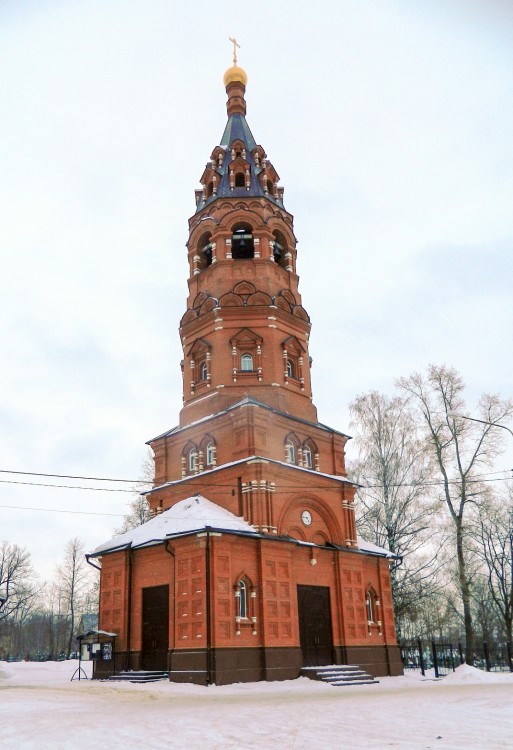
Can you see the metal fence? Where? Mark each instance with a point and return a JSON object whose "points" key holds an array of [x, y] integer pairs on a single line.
{"points": [[443, 656]]}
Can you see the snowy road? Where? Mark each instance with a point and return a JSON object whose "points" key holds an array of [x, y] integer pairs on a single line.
{"points": [[40, 708]]}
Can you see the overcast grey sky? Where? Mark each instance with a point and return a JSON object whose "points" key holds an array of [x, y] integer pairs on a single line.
{"points": [[390, 124]]}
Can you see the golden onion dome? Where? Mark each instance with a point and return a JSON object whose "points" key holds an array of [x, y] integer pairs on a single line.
{"points": [[235, 74]]}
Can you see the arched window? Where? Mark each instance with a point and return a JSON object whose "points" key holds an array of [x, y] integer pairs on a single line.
{"points": [[203, 370], [370, 606], [290, 369], [210, 453], [307, 457], [246, 363], [210, 189], [290, 452], [242, 600], [192, 461], [242, 242], [240, 180]]}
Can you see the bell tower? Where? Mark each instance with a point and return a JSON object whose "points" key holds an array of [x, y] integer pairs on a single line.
{"points": [[247, 394], [245, 331]]}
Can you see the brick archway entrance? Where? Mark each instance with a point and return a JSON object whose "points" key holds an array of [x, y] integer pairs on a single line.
{"points": [[315, 625]]}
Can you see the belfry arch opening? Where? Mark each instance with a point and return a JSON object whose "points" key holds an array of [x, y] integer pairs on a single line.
{"points": [[205, 251], [280, 249], [242, 242]]}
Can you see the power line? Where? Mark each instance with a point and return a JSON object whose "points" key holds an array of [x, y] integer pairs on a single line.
{"points": [[434, 483], [475, 478], [57, 510], [64, 486], [281, 487], [218, 488], [72, 476]]}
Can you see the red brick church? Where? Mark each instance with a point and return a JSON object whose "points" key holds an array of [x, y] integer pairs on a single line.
{"points": [[250, 567]]}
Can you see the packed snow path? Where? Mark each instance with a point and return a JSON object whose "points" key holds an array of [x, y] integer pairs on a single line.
{"points": [[40, 708]]}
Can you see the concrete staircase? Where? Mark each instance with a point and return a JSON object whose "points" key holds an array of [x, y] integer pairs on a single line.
{"points": [[139, 676], [340, 675]]}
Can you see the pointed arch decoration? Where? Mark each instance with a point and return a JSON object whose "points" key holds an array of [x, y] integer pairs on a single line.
{"points": [[199, 356], [209, 305], [207, 452], [310, 454], [293, 351], [245, 604], [244, 289], [283, 304], [246, 354], [190, 459], [259, 298], [231, 300], [188, 317], [373, 609], [199, 299], [292, 447], [300, 312]]}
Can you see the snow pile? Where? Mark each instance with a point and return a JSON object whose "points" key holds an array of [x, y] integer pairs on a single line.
{"points": [[473, 676], [192, 514]]}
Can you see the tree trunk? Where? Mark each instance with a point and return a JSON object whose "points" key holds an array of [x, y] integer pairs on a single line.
{"points": [[465, 595]]}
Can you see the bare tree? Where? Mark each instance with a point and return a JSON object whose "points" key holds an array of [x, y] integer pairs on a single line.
{"points": [[395, 508], [461, 449], [74, 576], [17, 580], [138, 507], [495, 538]]}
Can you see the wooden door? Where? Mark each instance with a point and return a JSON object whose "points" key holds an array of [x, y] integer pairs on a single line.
{"points": [[315, 625], [155, 627]]}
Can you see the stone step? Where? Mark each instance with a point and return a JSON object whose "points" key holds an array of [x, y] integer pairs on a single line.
{"points": [[140, 676], [343, 671], [339, 675], [372, 681]]}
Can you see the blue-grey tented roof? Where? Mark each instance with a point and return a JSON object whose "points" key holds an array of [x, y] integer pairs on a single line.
{"points": [[237, 128]]}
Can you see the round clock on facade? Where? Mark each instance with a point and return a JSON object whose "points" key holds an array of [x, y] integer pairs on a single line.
{"points": [[306, 517]]}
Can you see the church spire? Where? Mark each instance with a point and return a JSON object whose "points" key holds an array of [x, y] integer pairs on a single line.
{"points": [[238, 167]]}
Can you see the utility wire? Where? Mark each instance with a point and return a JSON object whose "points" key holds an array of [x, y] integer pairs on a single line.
{"points": [[215, 490], [57, 510], [142, 481], [71, 476], [64, 486]]}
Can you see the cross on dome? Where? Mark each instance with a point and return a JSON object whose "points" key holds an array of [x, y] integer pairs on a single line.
{"points": [[235, 45], [235, 74]]}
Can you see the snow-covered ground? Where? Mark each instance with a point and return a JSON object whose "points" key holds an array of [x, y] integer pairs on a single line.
{"points": [[41, 708]]}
